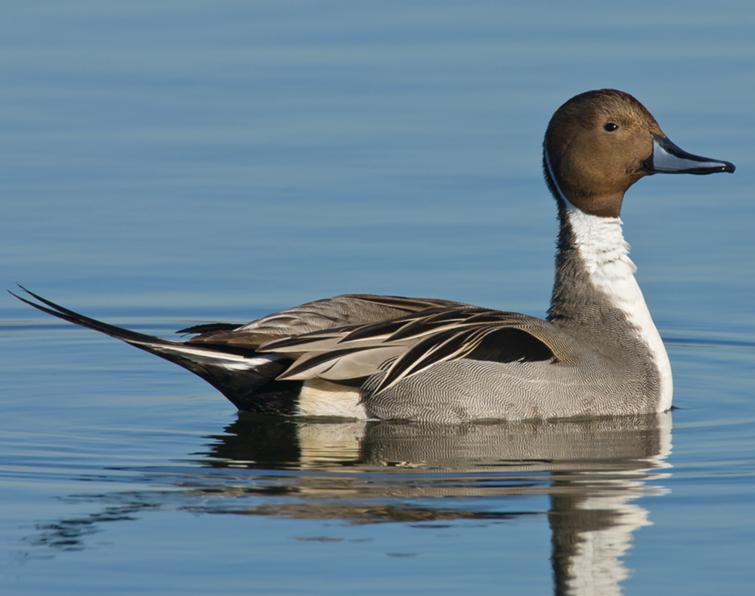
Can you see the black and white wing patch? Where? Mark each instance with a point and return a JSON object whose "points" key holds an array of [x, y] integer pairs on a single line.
{"points": [[407, 345], [492, 342]]}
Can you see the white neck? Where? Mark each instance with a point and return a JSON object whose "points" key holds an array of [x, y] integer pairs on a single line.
{"points": [[601, 245]]}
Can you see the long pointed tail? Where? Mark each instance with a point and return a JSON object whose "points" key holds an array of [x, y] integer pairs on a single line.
{"points": [[238, 373]]}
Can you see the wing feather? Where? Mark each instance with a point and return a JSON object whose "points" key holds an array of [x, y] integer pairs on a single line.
{"points": [[408, 345], [340, 365], [356, 336], [329, 316]]}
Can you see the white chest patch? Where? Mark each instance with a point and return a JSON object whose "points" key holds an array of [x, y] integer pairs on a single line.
{"points": [[600, 242], [323, 398]]}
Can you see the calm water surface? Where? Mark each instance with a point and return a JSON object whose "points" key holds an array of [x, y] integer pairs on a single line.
{"points": [[193, 161]]}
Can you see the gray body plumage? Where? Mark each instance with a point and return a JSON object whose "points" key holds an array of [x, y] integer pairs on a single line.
{"points": [[478, 390]]}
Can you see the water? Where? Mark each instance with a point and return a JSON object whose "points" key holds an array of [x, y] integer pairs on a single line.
{"points": [[165, 164]]}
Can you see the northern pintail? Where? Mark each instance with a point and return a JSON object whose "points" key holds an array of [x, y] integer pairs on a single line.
{"points": [[597, 353]]}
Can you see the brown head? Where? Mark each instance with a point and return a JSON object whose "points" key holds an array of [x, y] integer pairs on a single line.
{"points": [[601, 142]]}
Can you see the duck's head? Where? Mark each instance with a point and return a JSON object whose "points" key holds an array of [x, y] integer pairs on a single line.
{"points": [[601, 142]]}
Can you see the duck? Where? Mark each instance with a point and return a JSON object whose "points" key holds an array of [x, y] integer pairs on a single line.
{"points": [[362, 356]]}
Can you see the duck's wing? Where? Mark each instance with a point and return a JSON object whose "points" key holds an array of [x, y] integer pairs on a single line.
{"points": [[320, 316], [407, 345]]}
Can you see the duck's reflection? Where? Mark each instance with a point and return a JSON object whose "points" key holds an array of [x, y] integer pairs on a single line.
{"points": [[365, 472], [592, 471]]}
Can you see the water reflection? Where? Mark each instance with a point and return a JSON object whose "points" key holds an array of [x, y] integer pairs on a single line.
{"points": [[590, 473]]}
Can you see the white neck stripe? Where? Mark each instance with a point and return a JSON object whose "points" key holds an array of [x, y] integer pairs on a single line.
{"points": [[601, 245]]}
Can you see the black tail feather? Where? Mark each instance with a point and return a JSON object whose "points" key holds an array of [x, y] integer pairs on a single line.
{"points": [[207, 327], [71, 316], [254, 389]]}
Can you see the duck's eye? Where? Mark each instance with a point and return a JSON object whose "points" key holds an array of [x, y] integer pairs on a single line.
{"points": [[610, 126]]}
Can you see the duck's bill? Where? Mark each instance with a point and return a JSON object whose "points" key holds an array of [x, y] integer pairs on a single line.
{"points": [[667, 158]]}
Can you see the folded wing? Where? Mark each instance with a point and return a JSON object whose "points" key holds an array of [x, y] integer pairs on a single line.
{"points": [[408, 345]]}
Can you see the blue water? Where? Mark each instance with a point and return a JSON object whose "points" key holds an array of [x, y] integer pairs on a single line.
{"points": [[165, 163]]}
